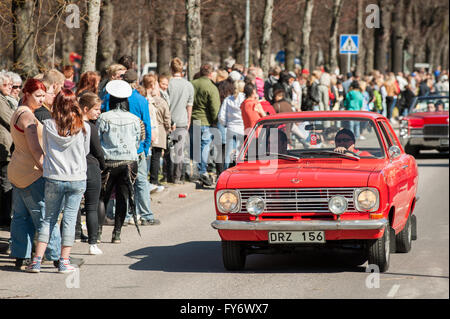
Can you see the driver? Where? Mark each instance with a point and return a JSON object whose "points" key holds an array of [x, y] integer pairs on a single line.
{"points": [[345, 141], [440, 106]]}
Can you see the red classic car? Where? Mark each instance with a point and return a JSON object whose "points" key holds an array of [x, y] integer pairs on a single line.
{"points": [[426, 126], [322, 179]]}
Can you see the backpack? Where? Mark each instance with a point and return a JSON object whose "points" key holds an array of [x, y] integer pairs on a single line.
{"points": [[378, 101]]}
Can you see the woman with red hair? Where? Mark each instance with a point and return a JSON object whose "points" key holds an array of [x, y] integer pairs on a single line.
{"points": [[88, 83], [66, 143], [25, 174]]}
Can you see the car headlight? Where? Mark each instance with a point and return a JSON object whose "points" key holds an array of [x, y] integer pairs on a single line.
{"points": [[367, 199], [337, 205], [228, 201], [255, 205]]}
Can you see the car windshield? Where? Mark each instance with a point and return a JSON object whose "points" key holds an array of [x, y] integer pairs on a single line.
{"points": [[437, 104], [294, 139]]}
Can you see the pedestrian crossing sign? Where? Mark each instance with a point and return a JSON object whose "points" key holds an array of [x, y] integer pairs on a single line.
{"points": [[349, 44]]}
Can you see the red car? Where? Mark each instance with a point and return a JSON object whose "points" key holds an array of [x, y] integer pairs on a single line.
{"points": [[426, 126], [322, 179]]}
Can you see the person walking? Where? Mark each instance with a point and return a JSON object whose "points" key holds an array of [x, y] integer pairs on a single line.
{"points": [[354, 101], [231, 118], [204, 115], [251, 109], [25, 174], [181, 93], [65, 139], [120, 134], [90, 106]]}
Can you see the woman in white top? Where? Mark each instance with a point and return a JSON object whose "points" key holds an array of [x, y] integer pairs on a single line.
{"points": [[230, 117]]}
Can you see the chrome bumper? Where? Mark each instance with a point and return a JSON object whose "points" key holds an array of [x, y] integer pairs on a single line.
{"points": [[300, 225], [420, 140]]}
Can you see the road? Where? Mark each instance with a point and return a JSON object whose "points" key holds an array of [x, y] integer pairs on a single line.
{"points": [[181, 258]]}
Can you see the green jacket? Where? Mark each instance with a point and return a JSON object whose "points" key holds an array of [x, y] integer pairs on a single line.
{"points": [[206, 101], [354, 101]]}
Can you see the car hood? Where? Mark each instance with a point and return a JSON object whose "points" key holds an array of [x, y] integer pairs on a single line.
{"points": [[307, 173]]}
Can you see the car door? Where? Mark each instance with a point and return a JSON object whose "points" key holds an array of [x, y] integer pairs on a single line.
{"points": [[400, 168]]}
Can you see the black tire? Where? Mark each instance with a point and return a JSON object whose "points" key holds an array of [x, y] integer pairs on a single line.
{"points": [[379, 251], [412, 149], [233, 255], [404, 238], [413, 227]]}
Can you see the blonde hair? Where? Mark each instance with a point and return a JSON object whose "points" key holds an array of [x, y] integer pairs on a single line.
{"points": [[238, 87], [114, 68], [52, 77], [149, 80], [176, 65]]}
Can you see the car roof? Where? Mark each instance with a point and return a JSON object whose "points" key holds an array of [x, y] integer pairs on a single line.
{"points": [[318, 114]]}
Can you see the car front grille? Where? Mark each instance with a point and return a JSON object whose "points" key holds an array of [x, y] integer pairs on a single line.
{"points": [[435, 130], [298, 200]]}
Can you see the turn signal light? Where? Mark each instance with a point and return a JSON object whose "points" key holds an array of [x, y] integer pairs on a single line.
{"points": [[222, 217], [376, 215]]}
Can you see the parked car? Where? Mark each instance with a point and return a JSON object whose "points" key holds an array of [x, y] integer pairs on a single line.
{"points": [[306, 179], [426, 126]]}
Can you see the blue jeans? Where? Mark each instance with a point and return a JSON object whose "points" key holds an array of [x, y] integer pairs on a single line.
{"points": [[142, 191], [57, 193], [355, 128], [200, 154], [234, 142], [28, 213]]}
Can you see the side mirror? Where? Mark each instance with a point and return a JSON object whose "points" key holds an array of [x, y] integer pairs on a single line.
{"points": [[394, 151]]}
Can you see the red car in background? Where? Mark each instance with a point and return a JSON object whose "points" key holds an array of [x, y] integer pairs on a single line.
{"points": [[320, 179], [426, 126]]}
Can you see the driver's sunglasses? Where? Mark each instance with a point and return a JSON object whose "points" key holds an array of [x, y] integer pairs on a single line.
{"points": [[343, 140]]}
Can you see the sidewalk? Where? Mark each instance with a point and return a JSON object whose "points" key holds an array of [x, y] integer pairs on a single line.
{"points": [[161, 203]]}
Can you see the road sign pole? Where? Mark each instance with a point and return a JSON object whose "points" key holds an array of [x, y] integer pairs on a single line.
{"points": [[349, 62]]}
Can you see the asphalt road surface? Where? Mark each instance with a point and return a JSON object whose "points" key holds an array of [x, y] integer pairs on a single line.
{"points": [[181, 258]]}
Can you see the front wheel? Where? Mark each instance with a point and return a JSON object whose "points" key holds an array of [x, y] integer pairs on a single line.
{"points": [[379, 251], [412, 149], [233, 255], [404, 238]]}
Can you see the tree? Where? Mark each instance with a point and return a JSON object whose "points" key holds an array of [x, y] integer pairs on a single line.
{"points": [[24, 33], [106, 44], [91, 36], [336, 14], [194, 36], [306, 31]]}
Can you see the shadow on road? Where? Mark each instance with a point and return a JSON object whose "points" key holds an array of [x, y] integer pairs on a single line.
{"points": [[432, 156], [206, 256]]}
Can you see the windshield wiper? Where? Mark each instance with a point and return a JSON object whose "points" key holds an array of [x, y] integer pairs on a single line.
{"points": [[284, 156], [351, 155]]}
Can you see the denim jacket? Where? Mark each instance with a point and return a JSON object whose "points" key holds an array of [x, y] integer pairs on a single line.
{"points": [[120, 134]]}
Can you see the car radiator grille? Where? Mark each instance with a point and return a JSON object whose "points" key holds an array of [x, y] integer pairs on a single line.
{"points": [[298, 200], [435, 130]]}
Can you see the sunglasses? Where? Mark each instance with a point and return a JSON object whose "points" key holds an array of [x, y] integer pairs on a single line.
{"points": [[343, 140], [15, 87]]}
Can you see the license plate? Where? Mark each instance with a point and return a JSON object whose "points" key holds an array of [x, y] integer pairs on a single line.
{"points": [[287, 237], [444, 141]]}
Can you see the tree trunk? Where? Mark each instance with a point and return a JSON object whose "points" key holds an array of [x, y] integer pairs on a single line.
{"points": [[266, 37], [382, 36], [368, 48], [91, 36], [289, 49], [360, 65], [306, 32], [193, 36], [106, 39], [333, 48], [23, 35]]}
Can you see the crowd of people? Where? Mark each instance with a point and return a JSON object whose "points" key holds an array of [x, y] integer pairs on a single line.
{"points": [[103, 145]]}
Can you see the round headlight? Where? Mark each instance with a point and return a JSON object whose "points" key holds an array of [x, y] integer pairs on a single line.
{"points": [[228, 201], [255, 205], [366, 199], [337, 205]]}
